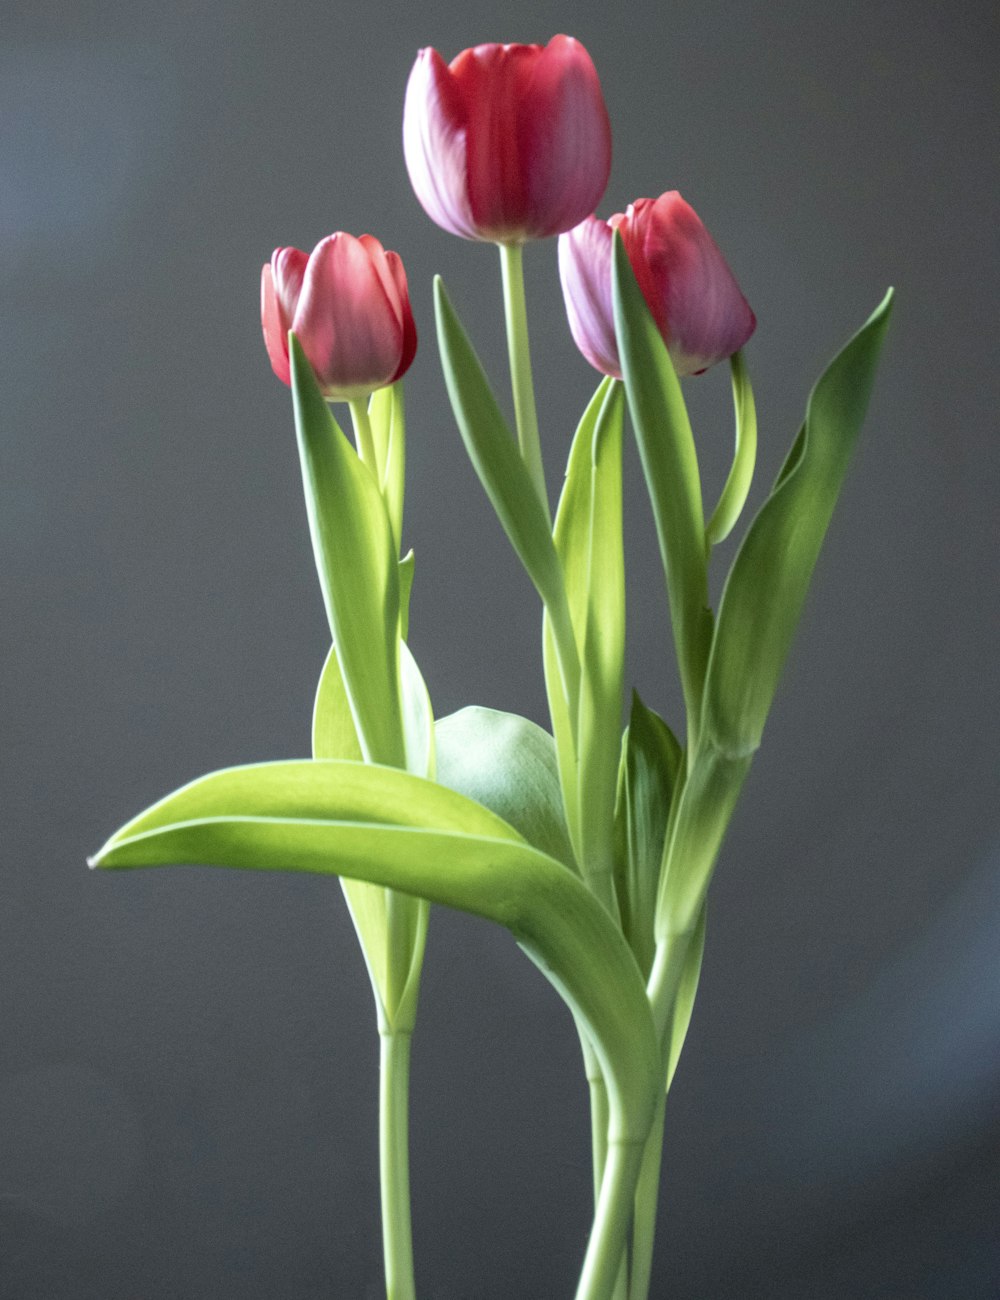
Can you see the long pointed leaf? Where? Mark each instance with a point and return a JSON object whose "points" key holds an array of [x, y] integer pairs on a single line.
{"points": [[588, 539], [502, 472], [670, 464], [770, 576], [357, 565]]}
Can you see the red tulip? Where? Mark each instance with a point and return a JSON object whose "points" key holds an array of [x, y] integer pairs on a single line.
{"points": [[691, 292], [507, 142], [350, 309]]}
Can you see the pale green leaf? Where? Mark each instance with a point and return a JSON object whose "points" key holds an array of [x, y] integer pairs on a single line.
{"points": [[404, 833], [508, 764]]}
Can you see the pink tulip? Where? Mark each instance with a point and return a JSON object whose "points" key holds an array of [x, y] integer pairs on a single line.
{"points": [[507, 142], [350, 309], [691, 292]]}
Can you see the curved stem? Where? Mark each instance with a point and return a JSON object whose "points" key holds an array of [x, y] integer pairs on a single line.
{"points": [[602, 1266], [394, 1164], [519, 352]]}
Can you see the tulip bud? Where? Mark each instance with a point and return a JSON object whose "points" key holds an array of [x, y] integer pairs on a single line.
{"points": [[688, 287], [349, 306], [507, 142]]}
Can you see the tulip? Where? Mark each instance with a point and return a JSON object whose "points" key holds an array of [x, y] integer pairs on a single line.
{"points": [[689, 289], [507, 142], [349, 307]]}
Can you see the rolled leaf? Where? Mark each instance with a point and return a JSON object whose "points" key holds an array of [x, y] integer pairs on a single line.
{"points": [[385, 411], [650, 767]]}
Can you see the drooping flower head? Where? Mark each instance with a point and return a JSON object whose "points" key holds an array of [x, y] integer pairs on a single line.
{"points": [[349, 306], [507, 142], [688, 286]]}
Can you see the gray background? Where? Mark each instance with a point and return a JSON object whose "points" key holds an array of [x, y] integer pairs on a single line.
{"points": [[187, 1080]]}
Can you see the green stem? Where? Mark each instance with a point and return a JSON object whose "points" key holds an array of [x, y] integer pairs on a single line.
{"points": [[519, 352], [394, 1164], [363, 439], [602, 1267], [646, 1198]]}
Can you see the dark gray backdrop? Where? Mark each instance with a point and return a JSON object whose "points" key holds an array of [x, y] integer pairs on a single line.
{"points": [[187, 1086]]}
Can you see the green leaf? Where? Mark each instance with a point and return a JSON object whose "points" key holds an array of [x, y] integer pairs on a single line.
{"points": [[507, 764], [670, 464], [650, 768], [386, 413], [496, 460], [404, 833], [770, 576], [333, 733], [588, 539], [391, 930], [734, 494], [696, 832], [687, 990], [418, 717], [357, 564]]}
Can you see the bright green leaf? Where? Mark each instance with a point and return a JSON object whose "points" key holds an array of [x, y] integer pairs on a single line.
{"points": [[670, 464], [507, 764], [407, 834], [496, 459], [770, 576], [357, 564]]}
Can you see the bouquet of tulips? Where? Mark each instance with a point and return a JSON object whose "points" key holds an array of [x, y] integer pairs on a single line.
{"points": [[594, 848]]}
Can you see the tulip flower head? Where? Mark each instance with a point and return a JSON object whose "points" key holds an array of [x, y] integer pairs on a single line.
{"points": [[507, 142], [688, 286], [349, 307]]}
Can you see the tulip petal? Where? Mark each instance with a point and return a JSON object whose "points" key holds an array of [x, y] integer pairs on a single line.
{"points": [[564, 137], [493, 80], [346, 321], [585, 272], [275, 331], [398, 273], [434, 139], [691, 291]]}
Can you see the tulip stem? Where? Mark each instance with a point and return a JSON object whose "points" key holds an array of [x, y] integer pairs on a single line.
{"points": [[363, 439], [397, 1238], [519, 352]]}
